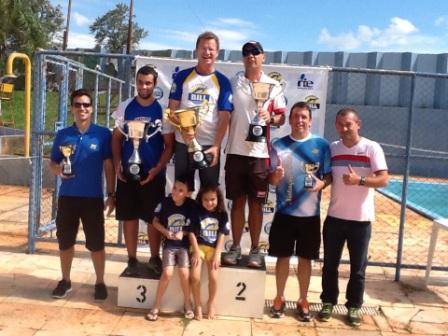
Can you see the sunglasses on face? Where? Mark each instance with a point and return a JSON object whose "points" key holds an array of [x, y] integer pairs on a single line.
{"points": [[79, 105], [253, 51]]}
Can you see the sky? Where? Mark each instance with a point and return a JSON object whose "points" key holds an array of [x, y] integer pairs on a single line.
{"points": [[419, 26]]}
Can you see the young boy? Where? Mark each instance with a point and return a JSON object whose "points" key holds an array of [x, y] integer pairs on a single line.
{"points": [[172, 218]]}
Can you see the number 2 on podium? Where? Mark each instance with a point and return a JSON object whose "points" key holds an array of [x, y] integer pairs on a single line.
{"points": [[142, 293], [239, 296]]}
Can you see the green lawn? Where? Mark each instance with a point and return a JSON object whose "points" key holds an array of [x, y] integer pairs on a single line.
{"points": [[51, 112]]}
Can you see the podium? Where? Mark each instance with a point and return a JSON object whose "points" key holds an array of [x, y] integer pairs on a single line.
{"points": [[240, 290]]}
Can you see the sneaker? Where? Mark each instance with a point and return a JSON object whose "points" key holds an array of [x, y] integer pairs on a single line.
{"points": [[62, 289], [354, 317], [278, 312], [303, 311], [232, 257], [255, 258], [100, 292], [155, 264], [325, 313], [132, 269]]}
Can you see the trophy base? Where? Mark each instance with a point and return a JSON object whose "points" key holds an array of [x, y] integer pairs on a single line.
{"points": [[257, 133], [133, 172], [199, 160], [309, 184]]}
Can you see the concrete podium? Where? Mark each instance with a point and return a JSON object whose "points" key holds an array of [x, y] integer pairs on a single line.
{"points": [[240, 290]]}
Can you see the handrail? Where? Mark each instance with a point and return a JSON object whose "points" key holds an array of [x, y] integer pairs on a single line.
{"points": [[9, 72]]}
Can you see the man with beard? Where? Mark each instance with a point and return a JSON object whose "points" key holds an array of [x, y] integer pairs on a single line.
{"points": [[137, 199]]}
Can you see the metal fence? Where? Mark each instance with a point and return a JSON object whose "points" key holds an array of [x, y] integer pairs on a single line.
{"points": [[406, 112]]}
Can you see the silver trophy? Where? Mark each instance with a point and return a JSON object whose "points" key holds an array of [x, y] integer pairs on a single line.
{"points": [[261, 93], [136, 131]]}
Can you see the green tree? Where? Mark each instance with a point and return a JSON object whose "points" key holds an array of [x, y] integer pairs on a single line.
{"points": [[111, 29], [26, 25]]}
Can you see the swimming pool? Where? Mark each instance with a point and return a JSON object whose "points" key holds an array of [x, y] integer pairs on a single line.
{"points": [[428, 198]]}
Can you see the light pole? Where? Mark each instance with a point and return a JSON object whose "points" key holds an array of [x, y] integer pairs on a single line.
{"points": [[131, 12], [64, 43]]}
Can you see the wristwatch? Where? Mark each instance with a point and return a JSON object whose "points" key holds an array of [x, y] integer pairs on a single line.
{"points": [[362, 181]]}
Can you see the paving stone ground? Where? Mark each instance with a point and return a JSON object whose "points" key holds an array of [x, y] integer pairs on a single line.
{"points": [[26, 308]]}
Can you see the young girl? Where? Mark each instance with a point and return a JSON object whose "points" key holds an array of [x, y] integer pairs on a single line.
{"points": [[208, 228], [172, 218]]}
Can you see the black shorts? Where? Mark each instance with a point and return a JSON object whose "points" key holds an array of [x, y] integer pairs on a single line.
{"points": [[246, 175], [87, 209], [135, 201], [299, 233]]}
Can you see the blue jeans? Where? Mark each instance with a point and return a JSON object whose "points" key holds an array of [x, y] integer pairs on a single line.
{"points": [[207, 176], [335, 233]]}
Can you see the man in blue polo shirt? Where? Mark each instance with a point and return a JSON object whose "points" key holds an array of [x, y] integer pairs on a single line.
{"points": [[81, 191]]}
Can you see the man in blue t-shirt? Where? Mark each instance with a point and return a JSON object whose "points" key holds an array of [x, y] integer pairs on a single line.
{"points": [[192, 87], [137, 199], [87, 153], [300, 169]]}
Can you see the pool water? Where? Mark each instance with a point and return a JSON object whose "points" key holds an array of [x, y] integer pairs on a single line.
{"points": [[428, 198]]}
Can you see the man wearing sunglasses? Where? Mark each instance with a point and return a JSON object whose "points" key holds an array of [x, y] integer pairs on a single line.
{"points": [[247, 163], [81, 192]]}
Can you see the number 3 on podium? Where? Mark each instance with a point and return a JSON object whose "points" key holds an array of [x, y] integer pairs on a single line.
{"points": [[239, 296], [142, 294]]}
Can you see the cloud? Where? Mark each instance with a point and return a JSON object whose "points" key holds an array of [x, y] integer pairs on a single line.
{"points": [[441, 21], [232, 33], [78, 40], [401, 34], [81, 20]]}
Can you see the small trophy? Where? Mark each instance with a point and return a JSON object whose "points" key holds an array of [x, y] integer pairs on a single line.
{"points": [[67, 151], [261, 93], [189, 119], [310, 169], [136, 130]]}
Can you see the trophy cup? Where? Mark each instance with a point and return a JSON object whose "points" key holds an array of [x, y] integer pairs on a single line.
{"points": [[189, 119], [261, 92], [67, 151], [137, 130], [310, 169]]}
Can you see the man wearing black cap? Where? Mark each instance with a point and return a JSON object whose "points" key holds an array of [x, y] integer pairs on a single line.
{"points": [[247, 163]]}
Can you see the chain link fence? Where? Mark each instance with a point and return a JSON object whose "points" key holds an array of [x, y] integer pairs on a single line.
{"points": [[405, 112]]}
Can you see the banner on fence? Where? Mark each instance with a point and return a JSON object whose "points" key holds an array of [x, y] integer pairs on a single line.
{"points": [[300, 83]]}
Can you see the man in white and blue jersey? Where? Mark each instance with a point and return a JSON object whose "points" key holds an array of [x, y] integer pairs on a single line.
{"points": [[138, 199], [80, 196], [192, 87], [296, 226]]}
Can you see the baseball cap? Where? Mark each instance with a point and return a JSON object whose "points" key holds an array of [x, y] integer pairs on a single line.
{"points": [[251, 45]]}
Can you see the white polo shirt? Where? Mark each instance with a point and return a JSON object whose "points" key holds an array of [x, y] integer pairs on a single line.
{"points": [[354, 202], [245, 110]]}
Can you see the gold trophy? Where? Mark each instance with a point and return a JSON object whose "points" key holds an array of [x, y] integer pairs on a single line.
{"points": [[310, 169], [67, 151], [189, 118], [137, 130], [261, 92]]}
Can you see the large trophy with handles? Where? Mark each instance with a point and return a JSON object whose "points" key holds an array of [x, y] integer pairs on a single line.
{"points": [[261, 93], [189, 118], [136, 131]]}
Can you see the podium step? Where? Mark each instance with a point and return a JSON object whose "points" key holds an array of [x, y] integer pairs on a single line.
{"points": [[240, 290]]}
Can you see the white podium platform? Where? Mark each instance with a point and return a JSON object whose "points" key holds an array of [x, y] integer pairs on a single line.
{"points": [[240, 291]]}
